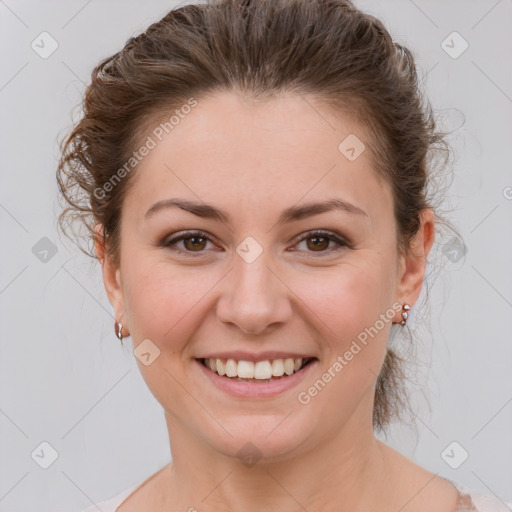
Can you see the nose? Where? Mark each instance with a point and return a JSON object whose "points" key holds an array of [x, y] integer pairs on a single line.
{"points": [[255, 297]]}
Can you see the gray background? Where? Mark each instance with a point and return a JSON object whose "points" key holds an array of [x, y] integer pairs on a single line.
{"points": [[65, 379]]}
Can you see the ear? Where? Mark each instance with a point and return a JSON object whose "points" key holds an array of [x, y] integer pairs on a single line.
{"points": [[111, 275], [412, 267]]}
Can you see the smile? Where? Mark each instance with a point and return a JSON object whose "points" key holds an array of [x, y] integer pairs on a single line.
{"points": [[261, 379], [259, 371]]}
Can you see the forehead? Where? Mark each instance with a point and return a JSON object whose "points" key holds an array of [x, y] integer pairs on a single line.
{"points": [[227, 150]]}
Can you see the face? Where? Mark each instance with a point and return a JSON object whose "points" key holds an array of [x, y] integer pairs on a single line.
{"points": [[267, 279]]}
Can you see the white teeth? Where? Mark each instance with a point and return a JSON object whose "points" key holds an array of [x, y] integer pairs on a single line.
{"points": [[261, 370], [246, 369], [221, 367], [277, 367], [289, 366], [231, 368]]}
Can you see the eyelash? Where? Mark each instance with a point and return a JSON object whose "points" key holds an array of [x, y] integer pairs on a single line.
{"points": [[311, 234]]}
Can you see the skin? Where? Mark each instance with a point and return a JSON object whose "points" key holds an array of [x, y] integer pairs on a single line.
{"points": [[253, 161]]}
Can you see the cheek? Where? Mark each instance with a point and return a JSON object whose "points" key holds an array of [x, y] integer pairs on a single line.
{"points": [[164, 304], [164, 300], [353, 305], [349, 299]]}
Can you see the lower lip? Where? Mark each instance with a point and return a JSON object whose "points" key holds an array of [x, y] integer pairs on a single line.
{"points": [[256, 389]]}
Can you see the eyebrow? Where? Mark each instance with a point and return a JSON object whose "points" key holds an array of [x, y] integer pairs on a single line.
{"points": [[294, 213]]}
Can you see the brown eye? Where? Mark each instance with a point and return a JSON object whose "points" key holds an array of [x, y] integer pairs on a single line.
{"points": [[319, 243], [194, 243], [191, 242]]}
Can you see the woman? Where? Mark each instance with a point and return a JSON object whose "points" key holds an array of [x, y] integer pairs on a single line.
{"points": [[254, 175]]}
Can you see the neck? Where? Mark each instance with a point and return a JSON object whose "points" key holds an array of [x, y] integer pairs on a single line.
{"points": [[350, 467]]}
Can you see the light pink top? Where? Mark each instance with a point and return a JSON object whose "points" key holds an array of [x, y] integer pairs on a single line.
{"points": [[469, 501]]}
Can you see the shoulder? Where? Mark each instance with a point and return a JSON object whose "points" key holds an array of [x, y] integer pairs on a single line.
{"points": [[471, 500], [111, 504], [131, 497]]}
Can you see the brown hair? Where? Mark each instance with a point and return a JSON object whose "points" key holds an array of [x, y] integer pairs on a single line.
{"points": [[324, 48]]}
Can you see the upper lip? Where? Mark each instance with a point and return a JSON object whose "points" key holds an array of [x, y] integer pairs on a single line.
{"points": [[241, 355]]}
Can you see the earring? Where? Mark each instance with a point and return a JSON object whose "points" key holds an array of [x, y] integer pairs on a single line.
{"points": [[405, 313], [118, 326]]}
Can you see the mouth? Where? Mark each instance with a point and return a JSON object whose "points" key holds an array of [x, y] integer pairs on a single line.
{"points": [[256, 372]]}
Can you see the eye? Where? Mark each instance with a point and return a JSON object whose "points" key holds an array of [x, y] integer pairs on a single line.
{"points": [[196, 242], [321, 240]]}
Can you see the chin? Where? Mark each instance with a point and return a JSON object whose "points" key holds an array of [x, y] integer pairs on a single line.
{"points": [[269, 438]]}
